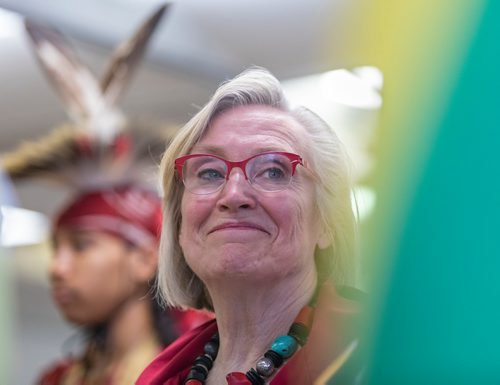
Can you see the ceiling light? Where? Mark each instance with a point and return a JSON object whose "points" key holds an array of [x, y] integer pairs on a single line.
{"points": [[21, 227], [348, 88], [371, 76], [9, 24]]}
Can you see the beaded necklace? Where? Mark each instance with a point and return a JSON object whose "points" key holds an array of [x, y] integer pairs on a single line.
{"points": [[281, 350]]}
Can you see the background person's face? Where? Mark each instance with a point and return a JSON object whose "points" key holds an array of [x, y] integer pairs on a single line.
{"points": [[90, 275], [239, 232]]}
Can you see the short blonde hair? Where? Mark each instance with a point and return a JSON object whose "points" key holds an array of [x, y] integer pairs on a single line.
{"points": [[177, 283]]}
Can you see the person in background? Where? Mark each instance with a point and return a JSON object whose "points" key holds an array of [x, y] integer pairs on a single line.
{"points": [[105, 240], [104, 262], [258, 227]]}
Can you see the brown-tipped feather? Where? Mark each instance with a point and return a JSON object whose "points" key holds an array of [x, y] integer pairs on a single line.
{"points": [[70, 156], [127, 56], [46, 156], [75, 84], [80, 155]]}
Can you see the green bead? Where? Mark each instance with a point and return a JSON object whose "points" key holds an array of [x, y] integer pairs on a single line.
{"points": [[300, 332], [285, 346]]}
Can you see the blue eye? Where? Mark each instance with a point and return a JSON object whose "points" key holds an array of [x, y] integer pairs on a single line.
{"points": [[274, 173], [210, 174]]}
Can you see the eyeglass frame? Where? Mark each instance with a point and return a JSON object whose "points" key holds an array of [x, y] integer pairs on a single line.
{"points": [[179, 163]]}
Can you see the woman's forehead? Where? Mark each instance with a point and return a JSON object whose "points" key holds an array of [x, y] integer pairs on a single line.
{"points": [[262, 127]]}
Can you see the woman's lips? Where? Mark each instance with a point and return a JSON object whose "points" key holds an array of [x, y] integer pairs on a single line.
{"points": [[238, 226]]}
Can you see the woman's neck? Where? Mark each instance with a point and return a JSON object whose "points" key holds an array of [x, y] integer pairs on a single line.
{"points": [[250, 316]]}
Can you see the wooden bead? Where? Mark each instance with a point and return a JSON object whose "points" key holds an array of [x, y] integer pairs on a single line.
{"points": [[305, 317]]}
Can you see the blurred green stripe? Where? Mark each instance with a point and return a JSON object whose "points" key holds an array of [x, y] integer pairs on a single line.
{"points": [[439, 320]]}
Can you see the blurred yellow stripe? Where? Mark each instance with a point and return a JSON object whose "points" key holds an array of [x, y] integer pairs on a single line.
{"points": [[333, 368]]}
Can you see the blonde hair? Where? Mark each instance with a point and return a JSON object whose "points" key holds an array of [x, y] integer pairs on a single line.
{"points": [[177, 284]]}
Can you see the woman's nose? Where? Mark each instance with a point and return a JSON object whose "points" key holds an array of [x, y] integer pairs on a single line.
{"points": [[237, 192]]}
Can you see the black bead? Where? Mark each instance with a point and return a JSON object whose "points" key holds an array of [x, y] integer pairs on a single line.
{"points": [[211, 348], [204, 360], [201, 369], [254, 377], [300, 332], [215, 338], [196, 375], [274, 357]]}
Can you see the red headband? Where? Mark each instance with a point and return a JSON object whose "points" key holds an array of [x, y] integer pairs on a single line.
{"points": [[129, 212]]}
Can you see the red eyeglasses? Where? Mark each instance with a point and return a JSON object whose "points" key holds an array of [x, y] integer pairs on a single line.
{"points": [[205, 174]]}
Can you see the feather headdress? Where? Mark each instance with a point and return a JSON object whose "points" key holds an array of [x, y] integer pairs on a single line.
{"points": [[98, 148]]}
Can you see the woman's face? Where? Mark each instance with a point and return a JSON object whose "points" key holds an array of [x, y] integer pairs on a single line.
{"points": [[239, 232], [91, 275]]}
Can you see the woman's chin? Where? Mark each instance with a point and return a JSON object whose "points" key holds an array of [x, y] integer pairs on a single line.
{"points": [[240, 271]]}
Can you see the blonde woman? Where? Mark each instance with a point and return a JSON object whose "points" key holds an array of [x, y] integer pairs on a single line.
{"points": [[261, 232]]}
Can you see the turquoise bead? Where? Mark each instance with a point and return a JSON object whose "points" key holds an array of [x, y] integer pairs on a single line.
{"points": [[285, 346]]}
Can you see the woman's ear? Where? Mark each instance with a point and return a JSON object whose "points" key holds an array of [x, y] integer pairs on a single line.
{"points": [[143, 264]]}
